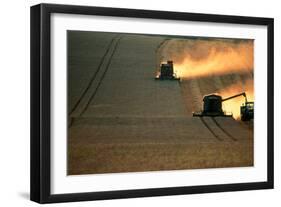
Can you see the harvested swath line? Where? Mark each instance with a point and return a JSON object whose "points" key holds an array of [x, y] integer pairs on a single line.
{"points": [[209, 128], [218, 83], [94, 76], [226, 80], [161, 47], [196, 94], [206, 85], [159, 50], [187, 97], [237, 79], [103, 75], [219, 126]]}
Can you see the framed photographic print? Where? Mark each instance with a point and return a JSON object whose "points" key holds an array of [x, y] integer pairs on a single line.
{"points": [[133, 103]]}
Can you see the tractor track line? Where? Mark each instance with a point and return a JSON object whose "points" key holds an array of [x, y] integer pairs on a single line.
{"points": [[103, 75], [94, 76], [209, 128], [162, 44], [158, 51], [219, 126]]}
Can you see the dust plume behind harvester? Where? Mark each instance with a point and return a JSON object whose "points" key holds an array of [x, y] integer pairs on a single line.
{"points": [[212, 106], [199, 58]]}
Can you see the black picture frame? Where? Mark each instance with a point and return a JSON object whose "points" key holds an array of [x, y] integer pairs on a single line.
{"points": [[40, 102]]}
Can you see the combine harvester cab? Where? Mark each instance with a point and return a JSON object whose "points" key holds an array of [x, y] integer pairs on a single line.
{"points": [[167, 72], [213, 107]]}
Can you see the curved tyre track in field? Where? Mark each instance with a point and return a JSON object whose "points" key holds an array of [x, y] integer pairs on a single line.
{"points": [[210, 129], [225, 131], [94, 76], [96, 80], [103, 75]]}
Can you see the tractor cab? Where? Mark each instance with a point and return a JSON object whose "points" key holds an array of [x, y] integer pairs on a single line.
{"points": [[247, 111]]}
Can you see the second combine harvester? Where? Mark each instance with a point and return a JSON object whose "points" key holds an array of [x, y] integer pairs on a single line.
{"points": [[213, 107]]}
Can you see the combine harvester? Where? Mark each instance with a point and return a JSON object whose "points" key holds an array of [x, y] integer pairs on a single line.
{"points": [[213, 107], [167, 72]]}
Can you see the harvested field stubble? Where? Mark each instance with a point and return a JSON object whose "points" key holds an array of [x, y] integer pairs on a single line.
{"points": [[108, 158]]}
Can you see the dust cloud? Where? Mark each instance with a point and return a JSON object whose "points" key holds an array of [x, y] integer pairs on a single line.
{"points": [[210, 57], [200, 58]]}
